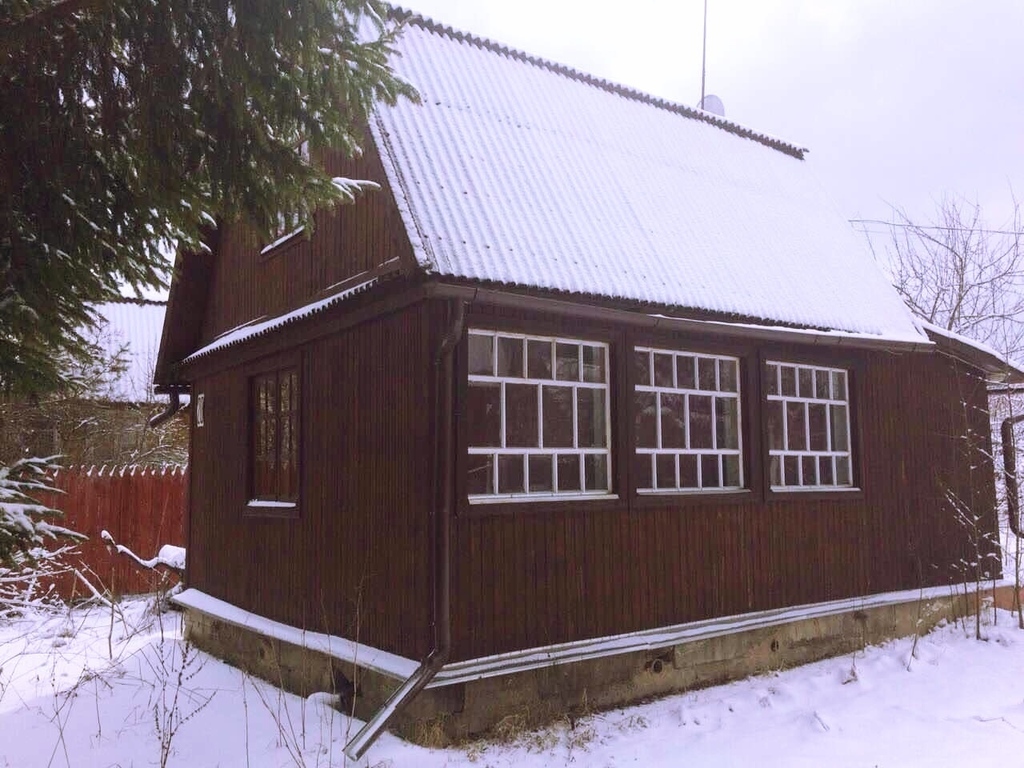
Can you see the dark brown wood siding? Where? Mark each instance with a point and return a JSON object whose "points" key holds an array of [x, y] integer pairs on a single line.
{"points": [[532, 574], [245, 284], [353, 558]]}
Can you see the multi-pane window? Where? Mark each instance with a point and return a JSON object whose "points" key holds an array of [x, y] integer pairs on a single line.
{"points": [[687, 411], [275, 436], [537, 416], [807, 415]]}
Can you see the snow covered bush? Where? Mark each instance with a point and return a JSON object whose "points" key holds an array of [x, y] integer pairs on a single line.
{"points": [[31, 545]]}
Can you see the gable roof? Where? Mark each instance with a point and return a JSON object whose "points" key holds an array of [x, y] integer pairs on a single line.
{"points": [[520, 172]]}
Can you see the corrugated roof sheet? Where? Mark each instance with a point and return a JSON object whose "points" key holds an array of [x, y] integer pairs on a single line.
{"points": [[516, 171], [130, 332]]}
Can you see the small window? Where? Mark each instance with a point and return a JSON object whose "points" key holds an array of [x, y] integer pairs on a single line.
{"points": [[537, 417], [807, 418], [687, 416], [275, 439]]}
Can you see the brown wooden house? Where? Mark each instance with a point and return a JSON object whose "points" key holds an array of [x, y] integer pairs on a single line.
{"points": [[589, 374]]}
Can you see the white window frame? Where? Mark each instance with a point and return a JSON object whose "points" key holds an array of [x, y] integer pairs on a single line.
{"points": [[676, 389], [806, 400], [504, 450]]}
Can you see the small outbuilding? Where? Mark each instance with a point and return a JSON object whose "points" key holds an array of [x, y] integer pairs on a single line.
{"points": [[592, 380]]}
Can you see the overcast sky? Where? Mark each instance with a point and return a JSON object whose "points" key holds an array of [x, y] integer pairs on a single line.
{"points": [[899, 101]]}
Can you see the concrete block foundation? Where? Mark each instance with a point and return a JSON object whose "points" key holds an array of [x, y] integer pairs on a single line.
{"points": [[475, 697]]}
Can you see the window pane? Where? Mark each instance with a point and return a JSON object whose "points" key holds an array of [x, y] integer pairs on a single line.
{"points": [[642, 368], [642, 463], [709, 471], [806, 382], [809, 467], [480, 478], [673, 421], [792, 470], [538, 359], [771, 379], [706, 374], [728, 376], [594, 364], [727, 422], [567, 362], [483, 414], [775, 470], [663, 370], [646, 434], [686, 379], [558, 426], [821, 388], [700, 421], [510, 474], [819, 431], [788, 376], [510, 357], [596, 468], [666, 463], [795, 426], [825, 474], [773, 423], [731, 471], [521, 415], [569, 472], [688, 470], [838, 385], [481, 355], [591, 414], [840, 433], [541, 474], [843, 470]]}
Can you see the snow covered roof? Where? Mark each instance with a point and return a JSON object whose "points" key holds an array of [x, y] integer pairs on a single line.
{"points": [[264, 325], [129, 331], [999, 368], [521, 172]]}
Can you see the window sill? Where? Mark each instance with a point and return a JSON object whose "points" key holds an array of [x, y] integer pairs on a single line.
{"points": [[271, 249], [267, 508], [537, 504]]}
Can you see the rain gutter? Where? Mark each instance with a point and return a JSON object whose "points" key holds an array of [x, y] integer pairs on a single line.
{"points": [[1010, 473], [658, 322], [444, 368], [173, 407]]}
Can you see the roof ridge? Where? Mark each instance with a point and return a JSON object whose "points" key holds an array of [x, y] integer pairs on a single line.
{"points": [[404, 15], [137, 300]]}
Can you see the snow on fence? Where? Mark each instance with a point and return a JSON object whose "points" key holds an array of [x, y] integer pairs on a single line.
{"points": [[142, 507]]}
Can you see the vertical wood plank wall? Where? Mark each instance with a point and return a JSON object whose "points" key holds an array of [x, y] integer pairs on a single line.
{"points": [[548, 575], [355, 559], [347, 241]]}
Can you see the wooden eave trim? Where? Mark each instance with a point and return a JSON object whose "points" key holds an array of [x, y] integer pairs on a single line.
{"points": [[655, 322]]}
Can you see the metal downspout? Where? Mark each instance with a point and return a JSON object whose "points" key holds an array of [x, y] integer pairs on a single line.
{"points": [[1010, 472], [435, 660], [172, 408]]}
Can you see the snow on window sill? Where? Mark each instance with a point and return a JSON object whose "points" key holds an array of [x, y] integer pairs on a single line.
{"points": [[266, 504], [517, 498]]}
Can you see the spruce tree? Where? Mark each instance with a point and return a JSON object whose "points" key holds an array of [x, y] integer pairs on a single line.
{"points": [[129, 128]]}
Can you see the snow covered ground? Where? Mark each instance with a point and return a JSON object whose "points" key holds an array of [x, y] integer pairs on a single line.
{"points": [[91, 688]]}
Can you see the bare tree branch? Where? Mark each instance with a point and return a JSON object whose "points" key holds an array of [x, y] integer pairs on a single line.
{"points": [[956, 273]]}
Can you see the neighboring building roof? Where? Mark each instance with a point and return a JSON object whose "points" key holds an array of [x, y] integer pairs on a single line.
{"points": [[520, 172], [130, 332]]}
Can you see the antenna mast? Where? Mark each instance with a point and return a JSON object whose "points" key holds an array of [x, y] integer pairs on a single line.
{"points": [[704, 55]]}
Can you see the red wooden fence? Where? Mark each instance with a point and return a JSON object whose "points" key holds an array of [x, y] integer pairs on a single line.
{"points": [[143, 508]]}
